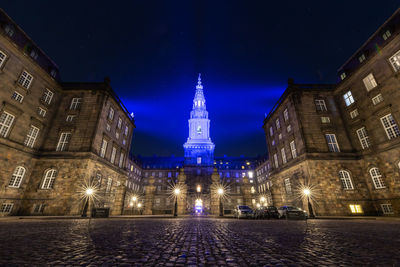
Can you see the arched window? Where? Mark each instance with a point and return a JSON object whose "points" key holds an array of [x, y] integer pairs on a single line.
{"points": [[49, 178], [17, 177], [345, 179], [377, 178]]}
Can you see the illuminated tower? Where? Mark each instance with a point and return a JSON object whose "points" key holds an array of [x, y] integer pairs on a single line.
{"points": [[199, 149]]}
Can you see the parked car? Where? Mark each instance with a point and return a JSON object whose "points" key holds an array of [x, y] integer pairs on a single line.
{"points": [[290, 212], [266, 213], [242, 211]]}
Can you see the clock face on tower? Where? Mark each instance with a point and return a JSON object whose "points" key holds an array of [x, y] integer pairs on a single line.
{"points": [[198, 129]]}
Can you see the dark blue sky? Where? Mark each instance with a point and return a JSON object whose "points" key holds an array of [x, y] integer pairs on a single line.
{"points": [[245, 50]]}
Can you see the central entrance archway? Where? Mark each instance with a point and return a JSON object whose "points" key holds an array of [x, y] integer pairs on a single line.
{"points": [[198, 206]]}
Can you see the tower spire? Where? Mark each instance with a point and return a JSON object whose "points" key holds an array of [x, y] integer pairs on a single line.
{"points": [[199, 79]]}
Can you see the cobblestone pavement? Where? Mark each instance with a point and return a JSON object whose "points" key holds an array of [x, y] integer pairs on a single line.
{"points": [[199, 241]]}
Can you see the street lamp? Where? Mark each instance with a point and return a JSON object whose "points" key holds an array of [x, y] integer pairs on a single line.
{"points": [[133, 201], [262, 200], [88, 194], [139, 205], [220, 192], [177, 191], [307, 193]]}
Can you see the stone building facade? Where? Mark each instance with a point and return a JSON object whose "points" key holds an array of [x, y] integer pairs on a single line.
{"points": [[56, 138], [341, 141]]}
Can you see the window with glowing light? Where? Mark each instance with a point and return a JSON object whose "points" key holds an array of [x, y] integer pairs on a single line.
{"points": [[348, 98], [356, 208], [198, 160]]}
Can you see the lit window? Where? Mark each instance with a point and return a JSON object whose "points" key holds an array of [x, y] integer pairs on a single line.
{"points": [[70, 118], [273, 142], [17, 177], [343, 76], [276, 160], [280, 136], [3, 57], [377, 178], [325, 120], [17, 97], [293, 149], [198, 188], [6, 207], [75, 103], [377, 99], [30, 139], [113, 153], [271, 131], [363, 137], [283, 154], [41, 112], [121, 160], [353, 113], [49, 178], [286, 114], [47, 96], [370, 82], [250, 175], [356, 208], [199, 160], [288, 186], [34, 54], [386, 35], [119, 125], [289, 128], [361, 58], [320, 105], [109, 184], [103, 148], [277, 123], [126, 130], [6, 120], [111, 114], [388, 122], [387, 208], [345, 179], [63, 141], [25, 79], [348, 98], [332, 143], [394, 60], [108, 127], [117, 135]]}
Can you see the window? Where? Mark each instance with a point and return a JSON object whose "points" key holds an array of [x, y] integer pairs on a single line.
{"points": [[103, 148], [354, 113], [361, 58], [9, 29], [119, 123], [377, 99], [198, 129], [38, 208], [276, 160], [356, 208], [53, 73], [369, 82], [288, 186], [124, 142], [117, 135], [42, 112], [198, 160], [30, 139], [320, 105], [283, 154], [293, 149], [273, 142], [108, 127], [289, 128], [63, 141], [278, 124], [70, 118], [25, 79], [386, 35], [271, 131], [49, 178], [280, 136], [387, 208], [75, 103], [343, 76], [346, 180], [6, 120], [332, 143], [363, 137], [325, 120], [3, 57], [348, 98], [17, 177], [126, 130], [34, 54], [388, 122], [109, 184], [286, 114], [113, 152], [111, 114], [394, 60], [47, 96], [6, 207], [121, 159], [17, 97], [377, 178]]}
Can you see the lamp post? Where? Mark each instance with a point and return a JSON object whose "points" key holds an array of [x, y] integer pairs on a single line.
{"points": [[262, 200], [139, 205], [88, 194], [220, 192], [133, 201], [176, 193], [307, 193]]}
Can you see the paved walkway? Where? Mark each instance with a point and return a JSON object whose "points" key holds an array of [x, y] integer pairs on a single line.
{"points": [[199, 241]]}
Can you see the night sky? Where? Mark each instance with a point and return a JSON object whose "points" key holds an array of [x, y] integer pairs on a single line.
{"points": [[154, 50]]}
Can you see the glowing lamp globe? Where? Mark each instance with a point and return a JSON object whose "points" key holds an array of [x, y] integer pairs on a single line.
{"points": [[306, 192], [89, 191], [177, 191], [220, 191]]}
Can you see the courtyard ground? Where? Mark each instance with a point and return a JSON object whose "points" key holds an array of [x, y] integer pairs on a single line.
{"points": [[198, 241]]}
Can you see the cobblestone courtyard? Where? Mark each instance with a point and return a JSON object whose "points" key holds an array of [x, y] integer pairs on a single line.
{"points": [[199, 241]]}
